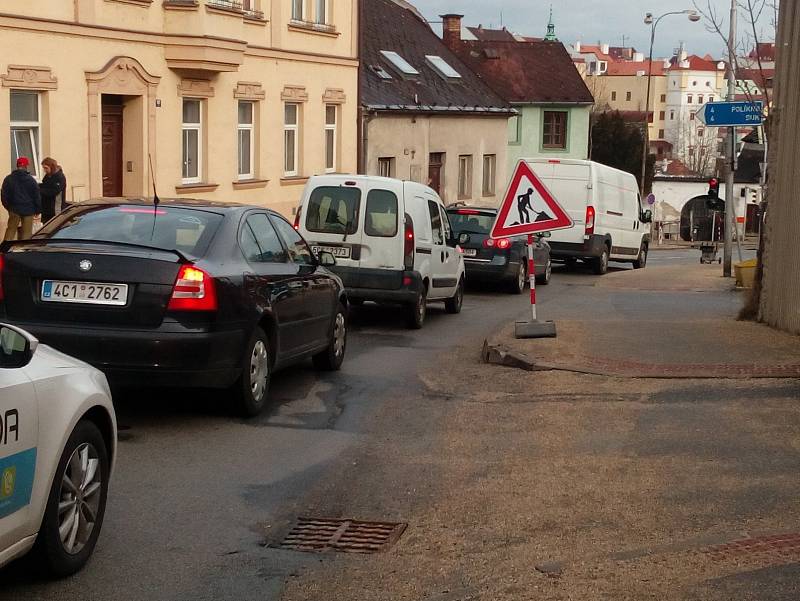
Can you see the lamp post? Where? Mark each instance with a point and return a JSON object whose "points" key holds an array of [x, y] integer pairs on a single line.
{"points": [[654, 21]]}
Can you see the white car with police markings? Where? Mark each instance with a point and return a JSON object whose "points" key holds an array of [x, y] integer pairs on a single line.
{"points": [[58, 438]]}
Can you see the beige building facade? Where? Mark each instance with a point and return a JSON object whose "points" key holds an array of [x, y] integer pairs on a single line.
{"points": [[227, 100], [463, 158]]}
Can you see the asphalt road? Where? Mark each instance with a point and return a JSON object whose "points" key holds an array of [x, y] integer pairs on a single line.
{"points": [[198, 496], [197, 493]]}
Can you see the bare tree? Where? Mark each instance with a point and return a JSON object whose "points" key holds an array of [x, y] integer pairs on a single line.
{"points": [[753, 12]]}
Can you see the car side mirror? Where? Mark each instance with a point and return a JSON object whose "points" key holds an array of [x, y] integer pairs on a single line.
{"points": [[327, 259], [647, 216], [16, 348], [464, 238]]}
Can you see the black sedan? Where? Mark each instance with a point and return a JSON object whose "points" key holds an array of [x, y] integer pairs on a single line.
{"points": [[503, 261], [185, 293]]}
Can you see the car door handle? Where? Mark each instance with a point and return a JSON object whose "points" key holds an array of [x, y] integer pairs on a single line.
{"points": [[296, 284]]}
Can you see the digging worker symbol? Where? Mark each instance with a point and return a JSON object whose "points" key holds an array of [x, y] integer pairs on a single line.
{"points": [[524, 206]]}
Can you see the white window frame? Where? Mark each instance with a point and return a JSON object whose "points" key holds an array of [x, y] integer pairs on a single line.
{"points": [[464, 176], [331, 129], [386, 166], [198, 127], [491, 159], [321, 16], [295, 129], [34, 129], [301, 4], [250, 127]]}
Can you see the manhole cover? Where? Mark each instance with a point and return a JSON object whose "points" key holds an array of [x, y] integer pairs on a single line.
{"points": [[776, 548], [346, 536]]}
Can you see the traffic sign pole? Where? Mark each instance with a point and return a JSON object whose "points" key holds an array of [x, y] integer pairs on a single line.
{"points": [[532, 276]]}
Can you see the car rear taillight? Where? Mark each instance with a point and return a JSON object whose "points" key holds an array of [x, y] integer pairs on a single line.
{"points": [[194, 290], [501, 243], [408, 243], [468, 212], [297, 218], [1, 277], [589, 220]]}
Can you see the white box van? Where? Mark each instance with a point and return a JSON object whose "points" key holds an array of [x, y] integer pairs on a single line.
{"points": [[605, 207], [392, 241]]}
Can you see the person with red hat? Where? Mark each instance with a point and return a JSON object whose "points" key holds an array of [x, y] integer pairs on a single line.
{"points": [[20, 197]]}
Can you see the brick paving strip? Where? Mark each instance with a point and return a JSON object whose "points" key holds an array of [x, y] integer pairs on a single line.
{"points": [[635, 369]]}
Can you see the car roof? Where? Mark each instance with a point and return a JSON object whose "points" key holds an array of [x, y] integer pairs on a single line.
{"points": [[185, 203]]}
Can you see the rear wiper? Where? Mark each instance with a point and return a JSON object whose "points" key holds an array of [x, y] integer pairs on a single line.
{"points": [[6, 245]]}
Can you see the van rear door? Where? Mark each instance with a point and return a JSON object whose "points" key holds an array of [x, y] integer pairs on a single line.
{"points": [[569, 183], [381, 257], [331, 221]]}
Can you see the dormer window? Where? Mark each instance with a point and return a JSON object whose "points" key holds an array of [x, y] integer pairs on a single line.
{"points": [[442, 68], [399, 63]]}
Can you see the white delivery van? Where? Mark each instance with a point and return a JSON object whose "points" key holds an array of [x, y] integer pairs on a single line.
{"points": [[605, 207], [392, 241]]}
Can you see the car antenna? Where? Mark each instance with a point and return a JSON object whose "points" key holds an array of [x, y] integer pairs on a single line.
{"points": [[155, 195]]}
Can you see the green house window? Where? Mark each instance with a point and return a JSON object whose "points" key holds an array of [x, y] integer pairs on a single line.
{"points": [[555, 130]]}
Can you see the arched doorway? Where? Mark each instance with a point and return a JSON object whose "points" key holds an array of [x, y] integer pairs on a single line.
{"points": [[122, 121], [699, 223]]}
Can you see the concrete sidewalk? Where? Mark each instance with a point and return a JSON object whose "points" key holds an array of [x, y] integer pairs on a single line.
{"points": [[709, 344]]}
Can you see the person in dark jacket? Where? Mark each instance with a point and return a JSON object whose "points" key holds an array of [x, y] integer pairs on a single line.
{"points": [[53, 189], [20, 197]]}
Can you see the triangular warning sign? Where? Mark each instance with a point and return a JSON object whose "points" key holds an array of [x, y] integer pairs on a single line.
{"points": [[529, 207]]}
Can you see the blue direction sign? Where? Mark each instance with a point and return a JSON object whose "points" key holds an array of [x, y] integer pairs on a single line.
{"points": [[732, 114]]}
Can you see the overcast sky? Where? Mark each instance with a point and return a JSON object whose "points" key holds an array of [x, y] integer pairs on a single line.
{"points": [[593, 20]]}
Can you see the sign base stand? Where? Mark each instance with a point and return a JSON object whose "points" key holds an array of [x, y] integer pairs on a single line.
{"points": [[535, 329]]}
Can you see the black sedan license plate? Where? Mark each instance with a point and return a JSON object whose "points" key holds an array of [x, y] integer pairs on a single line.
{"points": [[470, 252], [92, 293], [340, 252]]}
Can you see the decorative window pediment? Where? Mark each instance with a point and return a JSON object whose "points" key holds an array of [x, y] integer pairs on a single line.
{"points": [[196, 88], [31, 78], [334, 96], [294, 94], [248, 90]]}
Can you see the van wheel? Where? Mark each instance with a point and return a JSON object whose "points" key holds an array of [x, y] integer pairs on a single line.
{"points": [[332, 357], [415, 314], [453, 305], [76, 504], [521, 279], [641, 260], [250, 390], [600, 264], [544, 279]]}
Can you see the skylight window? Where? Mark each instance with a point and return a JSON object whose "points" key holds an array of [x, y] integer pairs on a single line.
{"points": [[441, 67], [381, 72], [399, 63]]}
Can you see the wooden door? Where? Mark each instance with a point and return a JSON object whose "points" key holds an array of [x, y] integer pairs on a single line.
{"points": [[435, 171], [112, 150]]}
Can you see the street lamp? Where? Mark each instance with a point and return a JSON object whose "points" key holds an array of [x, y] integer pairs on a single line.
{"points": [[653, 22]]}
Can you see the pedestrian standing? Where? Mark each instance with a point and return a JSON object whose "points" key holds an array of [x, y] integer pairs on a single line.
{"points": [[53, 189], [20, 197]]}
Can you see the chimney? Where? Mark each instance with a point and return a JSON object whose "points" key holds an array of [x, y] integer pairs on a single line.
{"points": [[682, 54], [451, 30], [604, 48], [638, 57], [577, 47]]}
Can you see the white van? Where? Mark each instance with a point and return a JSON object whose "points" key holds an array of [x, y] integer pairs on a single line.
{"points": [[605, 207], [392, 241]]}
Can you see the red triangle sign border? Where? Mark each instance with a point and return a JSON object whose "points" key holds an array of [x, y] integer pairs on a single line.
{"points": [[560, 220]]}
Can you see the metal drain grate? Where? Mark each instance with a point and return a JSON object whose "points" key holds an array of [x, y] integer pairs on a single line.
{"points": [[345, 536], [778, 547]]}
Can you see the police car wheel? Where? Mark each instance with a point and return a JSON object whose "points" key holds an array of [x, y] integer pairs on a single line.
{"points": [[76, 504]]}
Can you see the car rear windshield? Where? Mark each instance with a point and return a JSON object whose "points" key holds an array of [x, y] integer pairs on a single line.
{"points": [[471, 222], [169, 228], [333, 210]]}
